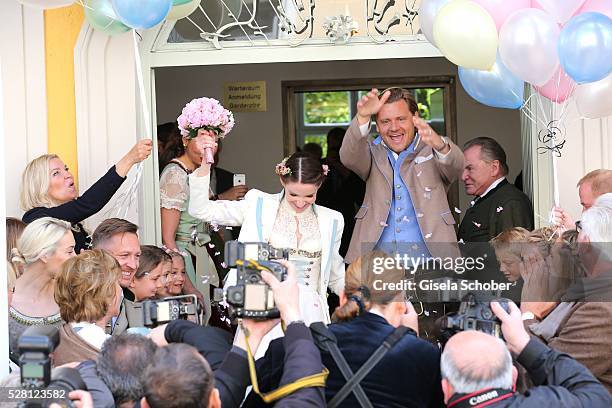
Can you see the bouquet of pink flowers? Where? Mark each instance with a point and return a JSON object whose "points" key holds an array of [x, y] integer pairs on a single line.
{"points": [[208, 114]]}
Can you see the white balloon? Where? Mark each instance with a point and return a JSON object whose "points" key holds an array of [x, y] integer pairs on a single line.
{"points": [[528, 45], [427, 14], [183, 10], [46, 4], [594, 99]]}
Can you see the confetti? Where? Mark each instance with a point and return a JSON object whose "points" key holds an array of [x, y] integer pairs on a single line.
{"points": [[419, 173], [461, 241], [426, 313], [427, 195], [414, 246], [217, 253], [229, 228], [405, 219], [458, 211], [205, 279], [211, 245], [383, 224], [223, 265], [476, 224], [427, 189], [419, 215], [472, 202], [500, 209], [428, 235]]}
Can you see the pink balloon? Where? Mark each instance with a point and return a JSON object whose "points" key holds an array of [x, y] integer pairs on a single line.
{"points": [[561, 10], [559, 88], [500, 10], [598, 6]]}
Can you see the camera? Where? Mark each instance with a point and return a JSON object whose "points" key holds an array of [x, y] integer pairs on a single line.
{"points": [[474, 315], [152, 313], [251, 297], [35, 345]]}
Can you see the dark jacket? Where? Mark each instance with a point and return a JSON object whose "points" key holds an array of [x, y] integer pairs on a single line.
{"points": [[502, 208], [407, 376], [212, 343], [83, 207], [561, 382], [302, 359], [100, 393]]}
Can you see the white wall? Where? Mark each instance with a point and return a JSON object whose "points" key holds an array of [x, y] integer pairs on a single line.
{"points": [[256, 143], [22, 52]]}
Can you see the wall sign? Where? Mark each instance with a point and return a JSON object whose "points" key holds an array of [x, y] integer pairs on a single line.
{"points": [[245, 96]]}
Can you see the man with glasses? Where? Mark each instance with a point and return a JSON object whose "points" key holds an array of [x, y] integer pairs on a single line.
{"points": [[407, 169]]}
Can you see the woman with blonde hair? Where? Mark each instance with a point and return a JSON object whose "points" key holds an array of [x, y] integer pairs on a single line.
{"points": [[88, 294], [14, 229], [41, 250], [48, 190]]}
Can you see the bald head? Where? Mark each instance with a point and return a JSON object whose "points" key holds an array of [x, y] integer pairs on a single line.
{"points": [[473, 361]]}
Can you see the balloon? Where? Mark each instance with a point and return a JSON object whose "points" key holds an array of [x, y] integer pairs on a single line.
{"points": [[466, 34], [598, 6], [594, 100], [559, 88], [183, 10], [427, 14], [500, 10], [46, 4], [497, 87], [561, 10], [101, 16], [180, 2], [141, 13], [585, 47], [528, 45]]}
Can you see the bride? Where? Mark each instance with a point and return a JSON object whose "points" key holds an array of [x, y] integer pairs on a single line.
{"points": [[289, 219]]}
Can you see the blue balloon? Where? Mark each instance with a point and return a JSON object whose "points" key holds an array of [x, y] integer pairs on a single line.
{"points": [[141, 13], [585, 47], [497, 87]]}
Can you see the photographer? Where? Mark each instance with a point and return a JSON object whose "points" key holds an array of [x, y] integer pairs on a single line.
{"points": [[302, 358], [477, 370], [121, 364], [368, 317]]}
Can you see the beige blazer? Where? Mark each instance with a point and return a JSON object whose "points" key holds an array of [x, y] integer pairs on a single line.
{"points": [[422, 173]]}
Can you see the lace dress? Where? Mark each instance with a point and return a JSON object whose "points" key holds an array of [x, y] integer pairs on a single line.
{"points": [[299, 232], [174, 195]]}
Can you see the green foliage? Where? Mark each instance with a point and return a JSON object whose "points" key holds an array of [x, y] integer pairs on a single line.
{"points": [[326, 107], [320, 139]]}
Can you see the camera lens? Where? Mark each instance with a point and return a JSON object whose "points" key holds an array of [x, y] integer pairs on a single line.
{"points": [[253, 278], [236, 297], [264, 254]]}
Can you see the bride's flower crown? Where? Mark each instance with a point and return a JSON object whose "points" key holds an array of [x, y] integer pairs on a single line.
{"points": [[282, 170]]}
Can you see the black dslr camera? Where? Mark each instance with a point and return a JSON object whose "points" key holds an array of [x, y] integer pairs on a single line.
{"points": [[473, 315], [152, 313], [251, 297], [35, 345]]}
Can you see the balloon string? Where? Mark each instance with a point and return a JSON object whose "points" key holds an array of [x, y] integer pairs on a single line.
{"points": [[127, 198]]}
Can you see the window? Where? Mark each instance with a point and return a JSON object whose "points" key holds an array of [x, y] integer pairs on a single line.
{"points": [[318, 112]]}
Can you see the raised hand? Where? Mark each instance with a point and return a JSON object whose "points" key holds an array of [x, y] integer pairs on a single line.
{"points": [[370, 104], [512, 326], [429, 136], [140, 151]]}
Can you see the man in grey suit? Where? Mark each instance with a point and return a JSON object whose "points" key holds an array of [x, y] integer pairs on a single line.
{"points": [[407, 170]]}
